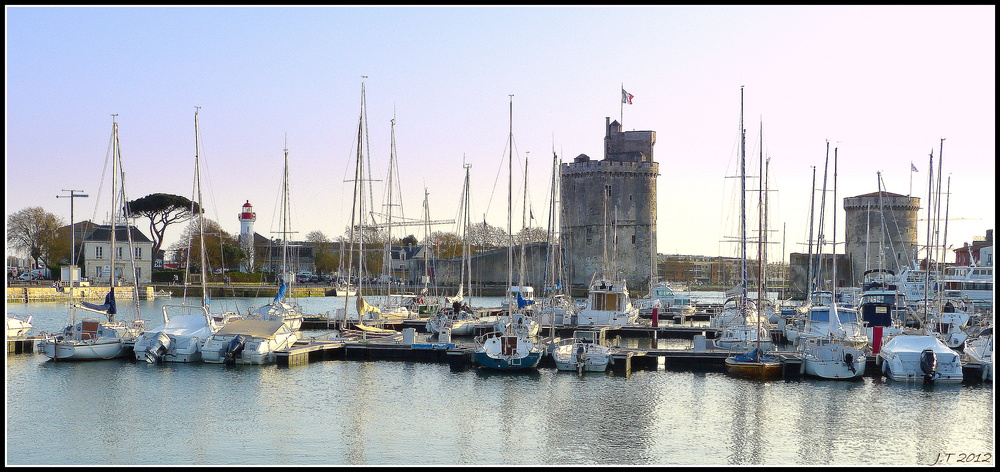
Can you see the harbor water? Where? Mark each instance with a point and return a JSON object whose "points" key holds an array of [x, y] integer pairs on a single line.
{"points": [[348, 412]]}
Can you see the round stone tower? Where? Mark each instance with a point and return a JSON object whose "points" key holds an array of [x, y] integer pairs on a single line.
{"points": [[608, 209], [881, 232]]}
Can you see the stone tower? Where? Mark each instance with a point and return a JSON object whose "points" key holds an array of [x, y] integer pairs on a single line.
{"points": [[611, 200], [887, 226]]}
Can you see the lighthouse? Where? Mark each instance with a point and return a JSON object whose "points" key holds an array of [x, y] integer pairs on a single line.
{"points": [[247, 217]]}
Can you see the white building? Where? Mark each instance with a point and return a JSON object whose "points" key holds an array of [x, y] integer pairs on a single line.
{"points": [[97, 255]]}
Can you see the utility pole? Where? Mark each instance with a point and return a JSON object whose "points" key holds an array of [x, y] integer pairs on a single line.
{"points": [[72, 231]]}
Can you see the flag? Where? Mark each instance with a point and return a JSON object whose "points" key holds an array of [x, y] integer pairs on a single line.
{"points": [[913, 168], [626, 97]]}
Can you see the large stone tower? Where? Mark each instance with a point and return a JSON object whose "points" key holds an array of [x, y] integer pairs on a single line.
{"points": [[885, 225], [612, 200]]}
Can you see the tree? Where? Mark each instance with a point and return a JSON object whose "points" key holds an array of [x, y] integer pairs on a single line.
{"points": [[486, 237], [222, 250], [162, 210], [317, 237], [34, 232], [409, 240], [446, 244]]}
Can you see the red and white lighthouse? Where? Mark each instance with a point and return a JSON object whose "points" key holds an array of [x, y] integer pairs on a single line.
{"points": [[247, 217]]}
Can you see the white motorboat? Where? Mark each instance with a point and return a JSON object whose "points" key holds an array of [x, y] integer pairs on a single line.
{"points": [[608, 304], [18, 326], [586, 351], [925, 358], [247, 342], [179, 338], [979, 349]]}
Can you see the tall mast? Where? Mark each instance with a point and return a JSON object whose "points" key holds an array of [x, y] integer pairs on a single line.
{"points": [[812, 206], [114, 209], [201, 213], [927, 265], [743, 211], [510, 206], [833, 289], [284, 222]]}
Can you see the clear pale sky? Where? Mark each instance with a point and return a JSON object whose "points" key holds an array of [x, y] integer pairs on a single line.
{"points": [[882, 84]]}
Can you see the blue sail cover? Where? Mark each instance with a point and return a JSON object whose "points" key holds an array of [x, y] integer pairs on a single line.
{"points": [[521, 302], [753, 355], [281, 292], [109, 306]]}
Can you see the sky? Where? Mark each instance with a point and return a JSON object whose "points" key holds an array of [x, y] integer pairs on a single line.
{"points": [[881, 84]]}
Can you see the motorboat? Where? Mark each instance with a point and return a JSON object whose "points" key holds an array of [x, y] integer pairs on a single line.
{"points": [[18, 326], [248, 342], [179, 338], [916, 357], [586, 351], [608, 304], [663, 297], [979, 349]]}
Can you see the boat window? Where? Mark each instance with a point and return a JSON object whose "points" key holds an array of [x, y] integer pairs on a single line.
{"points": [[847, 316], [819, 315]]}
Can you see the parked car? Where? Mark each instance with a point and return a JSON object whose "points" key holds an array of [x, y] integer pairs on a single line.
{"points": [[26, 277]]}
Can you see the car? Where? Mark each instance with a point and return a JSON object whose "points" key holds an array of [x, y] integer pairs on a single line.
{"points": [[26, 277]]}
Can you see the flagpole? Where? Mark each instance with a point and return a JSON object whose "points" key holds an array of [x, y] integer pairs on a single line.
{"points": [[621, 107], [911, 180]]}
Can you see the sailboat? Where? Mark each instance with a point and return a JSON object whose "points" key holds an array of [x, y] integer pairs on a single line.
{"points": [[511, 347], [518, 310], [753, 363], [281, 308], [556, 306], [369, 316], [180, 337], [94, 338], [458, 320]]}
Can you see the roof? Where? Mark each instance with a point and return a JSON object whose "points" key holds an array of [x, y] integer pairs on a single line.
{"points": [[103, 233]]}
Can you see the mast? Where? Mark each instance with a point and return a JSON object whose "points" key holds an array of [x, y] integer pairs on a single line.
{"points": [[356, 211], [524, 225], [821, 237], [743, 211], [760, 236], [284, 223], [201, 213], [812, 205], [927, 265], [833, 289], [114, 211], [510, 208]]}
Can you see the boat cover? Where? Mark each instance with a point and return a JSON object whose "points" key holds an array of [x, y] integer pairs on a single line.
{"points": [[917, 344], [254, 328]]}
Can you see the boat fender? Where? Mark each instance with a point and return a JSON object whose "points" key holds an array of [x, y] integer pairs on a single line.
{"points": [[928, 364]]}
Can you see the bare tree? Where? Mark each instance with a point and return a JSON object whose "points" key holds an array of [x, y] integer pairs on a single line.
{"points": [[33, 231]]}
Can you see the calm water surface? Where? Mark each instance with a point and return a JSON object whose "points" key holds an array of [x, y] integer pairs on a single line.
{"points": [[405, 413]]}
